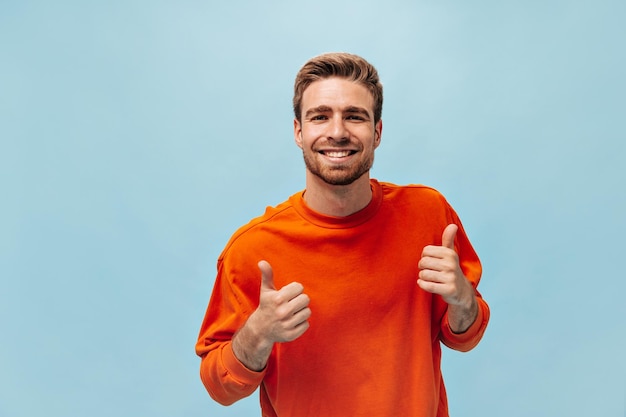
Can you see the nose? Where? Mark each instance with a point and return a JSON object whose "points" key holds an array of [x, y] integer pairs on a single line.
{"points": [[337, 130]]}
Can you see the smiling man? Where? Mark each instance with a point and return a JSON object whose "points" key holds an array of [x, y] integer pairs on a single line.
{"points": [[336, 301]]}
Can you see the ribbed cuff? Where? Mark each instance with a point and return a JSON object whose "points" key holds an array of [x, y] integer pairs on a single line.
{"points": [[470, 337], [238, 370]]}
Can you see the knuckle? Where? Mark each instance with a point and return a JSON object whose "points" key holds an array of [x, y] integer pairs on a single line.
{"points": [[427, 274], [282, 311]]}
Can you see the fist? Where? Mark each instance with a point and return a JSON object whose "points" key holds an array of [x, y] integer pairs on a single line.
{"points": [[440, 272]]}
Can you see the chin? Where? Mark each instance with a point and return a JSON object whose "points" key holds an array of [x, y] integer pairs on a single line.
{"points": [[341, 179]]}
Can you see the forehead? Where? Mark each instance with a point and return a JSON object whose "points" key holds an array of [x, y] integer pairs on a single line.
{"points": [[336, 92]]}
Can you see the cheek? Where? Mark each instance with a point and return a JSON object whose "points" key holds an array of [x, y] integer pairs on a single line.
{"points": [[308, 137]]}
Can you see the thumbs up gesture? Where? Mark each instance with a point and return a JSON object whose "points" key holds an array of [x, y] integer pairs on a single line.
{"points": [[282, 316], [440, 272], [283, 313]]}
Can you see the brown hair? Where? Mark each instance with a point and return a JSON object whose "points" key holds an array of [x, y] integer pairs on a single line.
{"points": [[343, 65]]}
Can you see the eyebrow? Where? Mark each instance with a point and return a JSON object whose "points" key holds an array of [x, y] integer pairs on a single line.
{"points": [[318, 109], [326, 109], [359, 110]]}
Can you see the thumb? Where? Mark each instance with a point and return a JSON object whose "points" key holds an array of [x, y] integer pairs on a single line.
{"points": [[449, 233], [267, 276]]}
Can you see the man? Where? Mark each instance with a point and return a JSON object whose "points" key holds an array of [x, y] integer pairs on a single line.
{"points": [[336, 302]]}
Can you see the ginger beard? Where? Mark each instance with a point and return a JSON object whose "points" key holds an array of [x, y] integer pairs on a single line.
{"points": [[339, 173]]}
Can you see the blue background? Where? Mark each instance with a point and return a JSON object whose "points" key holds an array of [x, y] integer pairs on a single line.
{"points": [[136, 136]]}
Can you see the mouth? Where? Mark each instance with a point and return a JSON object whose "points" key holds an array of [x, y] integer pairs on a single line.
{"points": [[337, 153]]}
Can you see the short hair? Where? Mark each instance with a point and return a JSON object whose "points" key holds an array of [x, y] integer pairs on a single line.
{"points": [[343, 65]]}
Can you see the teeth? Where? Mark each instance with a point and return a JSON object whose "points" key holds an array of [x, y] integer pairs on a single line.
{"points": [[337, 154]]}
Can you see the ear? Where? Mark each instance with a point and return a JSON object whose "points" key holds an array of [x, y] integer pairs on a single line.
{"points": [[297, 132], [378, 129]]}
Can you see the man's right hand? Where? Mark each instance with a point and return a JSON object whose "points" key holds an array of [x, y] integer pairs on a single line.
{"points": [[282, 316]]}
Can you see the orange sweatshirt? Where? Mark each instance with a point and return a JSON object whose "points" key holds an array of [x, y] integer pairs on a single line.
{"points": [[373, 347]]}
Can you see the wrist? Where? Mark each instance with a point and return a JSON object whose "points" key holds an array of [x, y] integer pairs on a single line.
{"points": [[250, 347], [469, 301], [461, 316]]}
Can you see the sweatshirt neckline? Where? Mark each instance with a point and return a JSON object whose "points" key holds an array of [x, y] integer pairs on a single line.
{"points": [[340, 222]]}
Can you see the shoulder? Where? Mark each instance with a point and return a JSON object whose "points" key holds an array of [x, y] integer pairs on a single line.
{"points": [[421, 201], [274, 217], [411, 192]]}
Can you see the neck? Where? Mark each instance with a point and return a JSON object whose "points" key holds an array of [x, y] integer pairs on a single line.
{"points": [[337, 200]]}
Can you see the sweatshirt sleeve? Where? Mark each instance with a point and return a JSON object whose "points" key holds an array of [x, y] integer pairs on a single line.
{"points": [[225, 378], [468, 339]]}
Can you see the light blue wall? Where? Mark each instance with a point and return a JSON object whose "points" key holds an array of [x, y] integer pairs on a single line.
{"points": [[136, 136]]}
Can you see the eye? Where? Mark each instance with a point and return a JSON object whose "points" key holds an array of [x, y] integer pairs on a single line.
{"points": [[319, 117], [355, 117]]}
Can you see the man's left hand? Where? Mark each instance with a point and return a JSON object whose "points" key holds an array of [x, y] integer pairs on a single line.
{"points": [[440, 272]]}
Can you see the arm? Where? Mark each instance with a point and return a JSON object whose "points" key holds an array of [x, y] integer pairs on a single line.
{"points": [[234, 353], [441, 273], [282, 316]]}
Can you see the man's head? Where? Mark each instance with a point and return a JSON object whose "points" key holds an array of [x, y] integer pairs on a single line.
{"points": [[342, 65], [338, 126]]}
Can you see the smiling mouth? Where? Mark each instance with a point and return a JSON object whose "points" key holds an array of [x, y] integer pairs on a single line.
{"points": [[337, 154]]}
